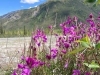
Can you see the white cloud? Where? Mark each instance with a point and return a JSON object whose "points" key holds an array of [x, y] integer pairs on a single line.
{"points": [[35, 6], [29, 1], [30, 7]]}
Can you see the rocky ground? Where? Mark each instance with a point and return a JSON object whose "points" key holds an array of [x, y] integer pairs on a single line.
{"points": [[11, 50]]}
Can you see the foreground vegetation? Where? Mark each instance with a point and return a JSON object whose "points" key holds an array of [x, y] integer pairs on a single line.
{"points": [[76, 52]]}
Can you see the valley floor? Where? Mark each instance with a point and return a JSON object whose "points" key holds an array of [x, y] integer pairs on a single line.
{"points": [[11, 50]]}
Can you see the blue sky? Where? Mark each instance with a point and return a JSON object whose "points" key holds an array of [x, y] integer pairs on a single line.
{"points": [[7, 6]]}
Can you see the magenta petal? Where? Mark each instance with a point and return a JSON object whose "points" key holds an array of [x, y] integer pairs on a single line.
{"points": [[48, 57], [20, 66], [66, 65], [54, 55], [91, 15], [26, 71], [14, 73], [76, 72], [50, 27], [87, 73], [42, 63], [64, 51]]}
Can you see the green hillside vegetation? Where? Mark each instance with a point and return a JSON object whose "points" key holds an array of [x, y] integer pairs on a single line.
{"points": [[50, 13]]}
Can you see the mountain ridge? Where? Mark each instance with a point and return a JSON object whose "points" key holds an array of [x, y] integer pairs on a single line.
{"points": [[48, 13]]}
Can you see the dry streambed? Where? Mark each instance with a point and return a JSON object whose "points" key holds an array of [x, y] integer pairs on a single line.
{"points": [[12, 48], [10, 51]]}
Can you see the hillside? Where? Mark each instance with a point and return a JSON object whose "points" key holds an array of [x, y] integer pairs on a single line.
{"points": [[49, 13]]}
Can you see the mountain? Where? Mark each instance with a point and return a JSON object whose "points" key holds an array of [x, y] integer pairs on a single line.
{"points": [[52, 12]]}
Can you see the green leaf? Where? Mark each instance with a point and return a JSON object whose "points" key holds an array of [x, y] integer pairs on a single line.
{"points": [[85, 44], [76, 51], [92, 65], [87, 39], [97, 46], [83, 39], [86, 64]]}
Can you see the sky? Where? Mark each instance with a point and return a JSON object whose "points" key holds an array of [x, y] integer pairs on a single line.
{"points": [[7, 6]]}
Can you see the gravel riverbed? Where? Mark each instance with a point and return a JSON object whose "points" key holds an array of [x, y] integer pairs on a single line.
{"points": [[12, 48]]}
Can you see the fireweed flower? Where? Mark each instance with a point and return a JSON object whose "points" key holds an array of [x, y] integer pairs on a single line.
{"points": [[32, 62], [66, 41], [91, 22], [41, 63], [54, 52], [54, 55], [76, 72], [91, 15], [82, 31], [66, 65], [50, 27], [73, 33], [79, 37], [48, 56], [21, 66], [65, 30], [61, 25], [70, 38], [26, 71], [14, 73], [64, 51], [75, 18], [39, 44], [98, 18], [72, 28], [62, 42], [39, 36], [98, 37], [69, 21], [44, 37]]}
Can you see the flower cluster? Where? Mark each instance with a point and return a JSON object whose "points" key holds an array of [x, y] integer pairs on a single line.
{"points": [[39, 37], [25, 69], [76, 49]]}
